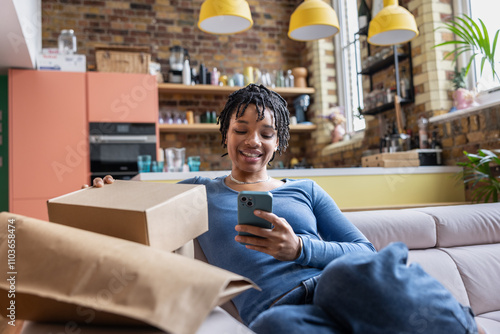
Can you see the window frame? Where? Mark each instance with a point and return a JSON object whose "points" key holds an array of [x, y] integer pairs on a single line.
{"points": [[350, 105]]}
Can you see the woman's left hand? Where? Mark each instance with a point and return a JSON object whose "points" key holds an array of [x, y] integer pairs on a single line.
{"points": [[281, 242]]}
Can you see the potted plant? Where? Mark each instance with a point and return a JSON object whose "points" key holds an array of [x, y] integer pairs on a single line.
{"points": [[483, 177], [474, 38]]}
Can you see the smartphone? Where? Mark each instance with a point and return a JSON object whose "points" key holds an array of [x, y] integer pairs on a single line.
{"points": [[248, 201]]}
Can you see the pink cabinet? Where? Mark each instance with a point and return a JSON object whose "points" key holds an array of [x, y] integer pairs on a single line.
{"points": [[48, 138], [122, 97]]}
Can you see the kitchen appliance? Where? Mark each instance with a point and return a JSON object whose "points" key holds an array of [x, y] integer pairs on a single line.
{"points": [[114, 148], [176, 61]]}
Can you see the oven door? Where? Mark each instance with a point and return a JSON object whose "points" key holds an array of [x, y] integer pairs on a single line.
{"points": [[118, 153]]}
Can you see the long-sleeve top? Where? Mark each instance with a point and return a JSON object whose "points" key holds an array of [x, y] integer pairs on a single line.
{"points": [[325, 232]]}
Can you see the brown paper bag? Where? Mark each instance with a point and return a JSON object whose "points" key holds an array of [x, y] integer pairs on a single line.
{"points": [[64, 274]]}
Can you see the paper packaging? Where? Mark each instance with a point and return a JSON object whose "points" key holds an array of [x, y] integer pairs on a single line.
{"points": [[162, 215], [71, 276], [61, 62]]}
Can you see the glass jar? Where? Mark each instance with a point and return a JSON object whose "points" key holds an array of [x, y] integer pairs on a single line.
{"points": [[67, 41]]}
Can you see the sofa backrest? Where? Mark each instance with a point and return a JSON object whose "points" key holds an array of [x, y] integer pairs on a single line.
{"points": [[441, 226]]}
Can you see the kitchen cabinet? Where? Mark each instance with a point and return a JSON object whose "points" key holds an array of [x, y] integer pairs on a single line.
{"points": [[122, 97], [381, 103], [48, 138]]}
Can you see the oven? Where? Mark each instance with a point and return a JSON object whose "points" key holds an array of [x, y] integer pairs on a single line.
{"points": [[114, 148]]}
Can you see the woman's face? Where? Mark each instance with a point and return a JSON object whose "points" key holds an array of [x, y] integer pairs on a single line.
{"points": [[250, 142]]}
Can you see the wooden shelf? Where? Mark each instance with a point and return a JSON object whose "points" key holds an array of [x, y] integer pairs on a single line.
{"points": [[170, 88], [384, 107], [207, 127]]}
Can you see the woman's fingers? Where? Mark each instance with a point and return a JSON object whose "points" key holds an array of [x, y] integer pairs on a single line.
{"points": [[98, 182], [108, 179]]}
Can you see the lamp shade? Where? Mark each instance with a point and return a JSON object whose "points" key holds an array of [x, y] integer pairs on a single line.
{"points": [[311, 20], [225, 17], [392, 25]]}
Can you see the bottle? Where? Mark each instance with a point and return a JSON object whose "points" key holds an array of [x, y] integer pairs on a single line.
{"points": [[203, 74], [186, 73], [214, 77], [422, 133], [364, 15], [404, 84], [289, 79]]}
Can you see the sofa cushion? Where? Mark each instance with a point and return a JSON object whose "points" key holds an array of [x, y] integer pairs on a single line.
{"points": [[490, 322], [440, 265], [463, 225], [479, 267], [416, 229]]}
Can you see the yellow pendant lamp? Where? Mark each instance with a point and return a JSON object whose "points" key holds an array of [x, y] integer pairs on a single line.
{"points": [[392, 25], [225, 17], [311, 20]]}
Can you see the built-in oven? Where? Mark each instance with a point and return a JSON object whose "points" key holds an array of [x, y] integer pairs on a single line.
{"points": [[114, 148]]}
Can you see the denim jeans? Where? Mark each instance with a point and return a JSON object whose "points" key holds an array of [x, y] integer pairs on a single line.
{"points": [[368, 293]]}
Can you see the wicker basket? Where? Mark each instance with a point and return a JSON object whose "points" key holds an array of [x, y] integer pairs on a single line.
{"points": [[122, 59]]}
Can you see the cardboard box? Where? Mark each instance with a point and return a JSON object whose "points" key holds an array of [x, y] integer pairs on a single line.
{"points": [[73, 277], [61, 62], [162, 215], [413, 158]]}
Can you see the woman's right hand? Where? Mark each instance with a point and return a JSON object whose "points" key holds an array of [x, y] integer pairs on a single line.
{"points": [[99, 182]]}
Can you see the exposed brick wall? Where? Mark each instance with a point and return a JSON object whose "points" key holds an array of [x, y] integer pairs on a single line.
{"points": [[469, 133], [432, 88], [161, 24]]}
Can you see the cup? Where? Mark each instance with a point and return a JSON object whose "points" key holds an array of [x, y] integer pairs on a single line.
{"points": [[194, 163], [157, 166], [144, 163], [175, 158]]}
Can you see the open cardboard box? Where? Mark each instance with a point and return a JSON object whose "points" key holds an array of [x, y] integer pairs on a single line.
{"points": [[161, 215], [75, 278]]}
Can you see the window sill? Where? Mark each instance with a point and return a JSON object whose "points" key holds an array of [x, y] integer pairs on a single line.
{"points": [[346, 145], [463, 113]]}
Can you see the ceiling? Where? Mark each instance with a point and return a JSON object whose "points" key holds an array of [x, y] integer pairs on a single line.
{"points": [[20, 34]]}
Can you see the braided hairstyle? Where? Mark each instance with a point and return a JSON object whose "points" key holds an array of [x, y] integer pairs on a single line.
{"points": [[262, 98]]}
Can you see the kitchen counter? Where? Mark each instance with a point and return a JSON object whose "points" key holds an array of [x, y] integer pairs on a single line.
{"points": [[363, 188]]}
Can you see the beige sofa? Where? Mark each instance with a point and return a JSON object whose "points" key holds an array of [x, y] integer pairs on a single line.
{"points": [[458, 245]]}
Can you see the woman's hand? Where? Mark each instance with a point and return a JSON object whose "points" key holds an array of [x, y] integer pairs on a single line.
{"points": [[281, 242], [98, 182]]}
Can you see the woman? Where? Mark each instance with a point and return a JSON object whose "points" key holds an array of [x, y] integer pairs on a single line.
{"points": [[309, 231]]}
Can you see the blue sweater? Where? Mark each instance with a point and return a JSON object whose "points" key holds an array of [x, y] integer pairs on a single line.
{"points": [[325, 231]]}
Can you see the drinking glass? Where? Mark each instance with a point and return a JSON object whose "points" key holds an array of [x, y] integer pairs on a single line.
{"points": [[194, 163], [144, 163]]}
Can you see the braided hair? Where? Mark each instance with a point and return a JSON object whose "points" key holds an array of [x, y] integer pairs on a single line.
{"points": [[262, 98]]}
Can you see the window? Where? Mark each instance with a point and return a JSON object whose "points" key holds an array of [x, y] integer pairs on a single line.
{"points": [[347, 54], [483, 10]]}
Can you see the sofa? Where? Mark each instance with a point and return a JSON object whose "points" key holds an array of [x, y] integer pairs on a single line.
{"points": [[459, 245]]}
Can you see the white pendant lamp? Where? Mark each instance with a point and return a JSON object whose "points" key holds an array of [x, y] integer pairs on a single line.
{"points": [[392, 25], [311, 20], [225, 17]]}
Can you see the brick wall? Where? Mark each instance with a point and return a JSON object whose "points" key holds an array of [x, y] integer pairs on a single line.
{"points": [[161, 24], [432, 90]]}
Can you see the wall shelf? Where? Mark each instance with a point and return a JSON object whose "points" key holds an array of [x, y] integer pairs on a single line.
{"points": [[170, 88], [208, 128], [383, 64], [384, 107]]}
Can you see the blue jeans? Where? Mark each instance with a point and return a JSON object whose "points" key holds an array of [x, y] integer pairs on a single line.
{"points": [[368, 293]]}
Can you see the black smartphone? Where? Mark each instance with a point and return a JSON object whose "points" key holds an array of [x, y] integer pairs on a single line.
{"points": [[248, 201]]}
